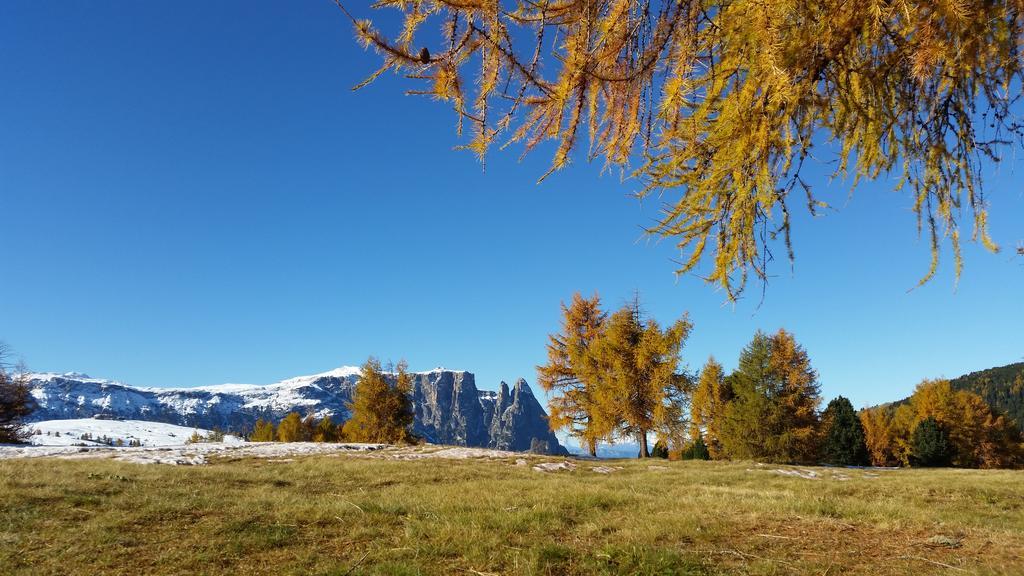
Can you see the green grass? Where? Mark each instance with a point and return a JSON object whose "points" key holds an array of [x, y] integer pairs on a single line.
{"points": [[346, 516]]}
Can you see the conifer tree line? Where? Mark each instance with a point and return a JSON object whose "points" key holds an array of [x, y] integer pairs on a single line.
{"points": [[380, 412], [618, 376]]}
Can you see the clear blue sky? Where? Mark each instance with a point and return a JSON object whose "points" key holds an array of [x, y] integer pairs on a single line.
{"points": [[191, 194]]}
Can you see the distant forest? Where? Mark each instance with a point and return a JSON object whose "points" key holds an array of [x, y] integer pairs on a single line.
{"points": [[1002, 388]]}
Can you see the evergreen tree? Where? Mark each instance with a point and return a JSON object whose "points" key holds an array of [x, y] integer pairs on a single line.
{"points": [[697, 450], [263, 432], [573, 402], [380, 412], [16, 402], [843, 444], [325, 431], [931, 446], [660, 449], [773, 413], [290, 429], [748, 425]]}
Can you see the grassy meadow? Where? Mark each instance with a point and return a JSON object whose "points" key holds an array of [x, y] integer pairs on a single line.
{"points": [[343, 515]]}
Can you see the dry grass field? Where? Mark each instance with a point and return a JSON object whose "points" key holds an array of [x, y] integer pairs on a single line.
{"points": [[350, 514]]}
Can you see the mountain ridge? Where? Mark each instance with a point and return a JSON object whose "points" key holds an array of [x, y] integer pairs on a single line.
{"points": [[449, 409]]}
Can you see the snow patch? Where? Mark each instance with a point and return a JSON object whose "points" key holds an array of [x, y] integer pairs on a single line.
{"points": [[70, 432], [554, 466]]}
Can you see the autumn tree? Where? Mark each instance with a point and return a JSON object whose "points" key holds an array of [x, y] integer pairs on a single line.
{"points": [[773, 413], [16, 401], [719, 108], [877, 436], [978, 437], [636, 372], [573, 398], [843, 440], [707, 406], [381, 411], [325, 431], [798, 397], [263, 431], [290, 428], [308, 428], [903, 420], [615, 376]]}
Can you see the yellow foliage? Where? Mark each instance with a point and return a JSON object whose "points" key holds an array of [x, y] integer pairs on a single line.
{"points": [[380, 411], [263, 432], [707, 407], [724, 103], [614, 376], [573, 404], [980, 438], [877, 436], [290, 429]]}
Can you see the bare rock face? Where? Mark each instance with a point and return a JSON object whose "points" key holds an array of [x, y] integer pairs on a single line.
{"points": [[518, 422], [449, 409]]}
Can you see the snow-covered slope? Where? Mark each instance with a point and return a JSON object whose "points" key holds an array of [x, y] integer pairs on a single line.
{"points": [[449, 408], [96, 432], [233, 406]]}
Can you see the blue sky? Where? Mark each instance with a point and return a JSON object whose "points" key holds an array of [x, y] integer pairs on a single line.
{"points": [[191, 194]]}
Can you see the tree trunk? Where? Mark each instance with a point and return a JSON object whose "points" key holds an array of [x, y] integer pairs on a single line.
{"points": [[643, 445], [592, 446]]}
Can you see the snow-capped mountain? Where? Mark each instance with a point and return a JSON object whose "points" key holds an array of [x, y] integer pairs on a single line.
{"points": [[449, 408]]}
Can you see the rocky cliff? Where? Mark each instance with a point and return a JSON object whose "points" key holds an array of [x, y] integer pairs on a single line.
{"points": [[449, 408], [515, 420]]}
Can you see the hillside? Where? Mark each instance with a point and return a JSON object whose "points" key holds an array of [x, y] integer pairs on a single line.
{"points": [[1002, 388]]}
